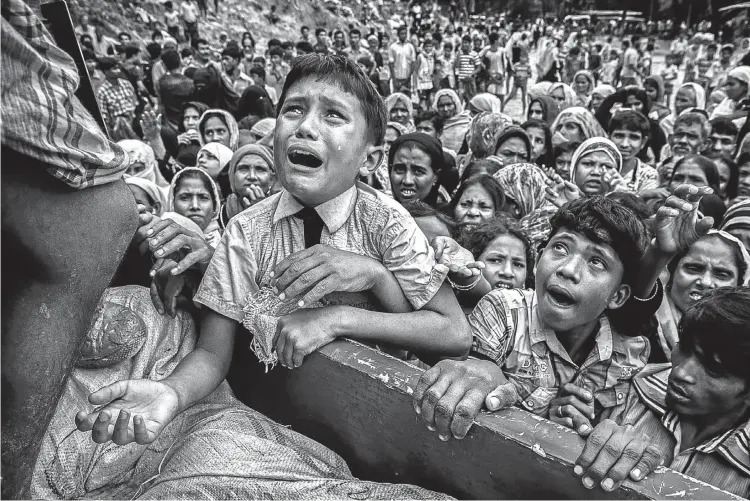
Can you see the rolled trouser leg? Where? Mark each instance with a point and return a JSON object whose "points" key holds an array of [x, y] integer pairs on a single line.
{"points": [[61, 247]]}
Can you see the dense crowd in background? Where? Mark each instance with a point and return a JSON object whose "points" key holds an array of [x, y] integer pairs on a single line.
{"points": [[588, 209]]}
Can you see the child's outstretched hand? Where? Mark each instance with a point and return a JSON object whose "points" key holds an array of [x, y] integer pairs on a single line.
{"points": [[459, 261], [676, 226], [151, 404], [559, 191]]}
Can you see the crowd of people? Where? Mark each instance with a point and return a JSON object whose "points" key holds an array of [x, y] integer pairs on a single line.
{"points": [[585, 260]]}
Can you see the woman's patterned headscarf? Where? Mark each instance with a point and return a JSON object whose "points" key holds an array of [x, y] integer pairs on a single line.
{"points": [[593, 145]]}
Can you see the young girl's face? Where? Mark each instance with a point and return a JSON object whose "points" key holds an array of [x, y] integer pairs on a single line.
{"points": [[475, 206], [684, 99], [192, 199], [582, 84], [208, 162], [538, 142], [505, 265], [651, 91]]}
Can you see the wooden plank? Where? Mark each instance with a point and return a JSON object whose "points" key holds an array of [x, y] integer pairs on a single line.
{"points": [[357, 401]]}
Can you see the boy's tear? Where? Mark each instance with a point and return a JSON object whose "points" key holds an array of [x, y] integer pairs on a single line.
{"points": [[339, 148]]}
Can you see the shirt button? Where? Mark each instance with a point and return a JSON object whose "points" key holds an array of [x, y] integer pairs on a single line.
{"points": [[619, 396], [530, 403]]}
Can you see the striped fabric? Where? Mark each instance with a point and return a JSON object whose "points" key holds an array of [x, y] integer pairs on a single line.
{"points": [[723, 461], [41, 117], [466, 64], [507, 330], [738, 216]]}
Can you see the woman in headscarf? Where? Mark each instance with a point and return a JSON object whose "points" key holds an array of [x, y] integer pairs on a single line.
{"points": [[254, 105], [593, 165], [598, 95], [482, 137], [218, 126], [513, 146], [456, 121], [737, 88], [415, 162], [737, 222], [525, 187], [142, 162], [194, 195], [547, 60], [540, 135], [538, 90], [148, 194], [690, 95], [563, 94], [400, 110], [263, 128], [252, 177], [543, 108], [485, 102], [185, 136], [214, 158], [583, 83], [654, 87], [719, 254], [575, 125]]}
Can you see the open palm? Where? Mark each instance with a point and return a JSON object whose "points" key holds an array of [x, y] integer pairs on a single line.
{"points": [[135, 410], [677, 226]]}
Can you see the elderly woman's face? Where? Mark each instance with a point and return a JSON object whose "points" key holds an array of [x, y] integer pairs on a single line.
{"points": [[251, 171], [475, 206], [216, 131], [512, 151], [710, 263], [735, 89], [559, 96], [446, 107], [571, 131], [582, 84], [399, 113], [412, 177], [589, 173], [684, 99], [192, 199]]}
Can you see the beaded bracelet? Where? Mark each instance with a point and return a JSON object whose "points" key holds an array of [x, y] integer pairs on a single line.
{"points": [[467, 287]]}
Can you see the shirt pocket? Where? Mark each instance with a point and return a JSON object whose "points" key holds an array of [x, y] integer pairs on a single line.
{"points": [[610, 402]]}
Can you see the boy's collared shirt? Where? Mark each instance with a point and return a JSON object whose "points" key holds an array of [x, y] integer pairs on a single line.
{"points": [[402, 56], [360, 220], [723, 461], [506, 329]]}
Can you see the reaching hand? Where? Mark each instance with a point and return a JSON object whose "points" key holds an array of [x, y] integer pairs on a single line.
{"points": [[613, 179], [313, 273], [150, 124], [559, 191], [459, 261], [302, 332], [573, 408], [676, 226], [151, 404]]}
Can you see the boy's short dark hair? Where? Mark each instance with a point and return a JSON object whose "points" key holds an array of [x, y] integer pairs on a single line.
{"points": [[724, 126], [304, 28], [494, 37], [401, 28], [305, 47], [274, 42], [275, 51], [484, 233], [258, 71], [633, 202], [233, 52], [466, 38], [355, 31], [630, 120], [447, 45], [154, 50], [171, 60], [199, 41], [156, 33], [605, 221], [318, 31], [566, 147], [168, 4], [287, 45], [88, 54], [345, 73], [717, 324], [187, 52], [431, 116], [367, 61]]}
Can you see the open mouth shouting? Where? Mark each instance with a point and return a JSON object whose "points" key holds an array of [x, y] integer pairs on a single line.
{"points": [[696, 295], [503, 284], [304, 157], [560, 297], [408, 193]]}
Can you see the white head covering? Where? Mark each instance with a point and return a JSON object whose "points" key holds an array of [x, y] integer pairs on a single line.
{"points": [[151, 189], [592, 145], [221, 152], [138, 151]]}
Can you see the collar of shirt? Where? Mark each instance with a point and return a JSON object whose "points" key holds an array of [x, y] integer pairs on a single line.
{"points": [[606, 341], [733, 445], [334, 212]]}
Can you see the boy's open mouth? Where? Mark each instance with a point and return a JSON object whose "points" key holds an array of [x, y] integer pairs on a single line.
{"points": [[560, 296], [695, 295], [304, 158]]}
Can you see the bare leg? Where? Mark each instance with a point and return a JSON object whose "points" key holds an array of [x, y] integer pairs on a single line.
{"points": [[61, 248]]}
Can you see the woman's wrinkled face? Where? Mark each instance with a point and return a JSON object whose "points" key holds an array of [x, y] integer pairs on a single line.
{"points": [[582, 85], [688, 172], [684, 99], [446, 107], [710, 263], [475, 206], [252, 170], [571, 131], [412, 177], [512, 151], [400, 114], [216, 131], [192, 199], [559, 96], [505, 264], [735, 89], [590, 171], [535, 111], [190, 119], [538, 142]]}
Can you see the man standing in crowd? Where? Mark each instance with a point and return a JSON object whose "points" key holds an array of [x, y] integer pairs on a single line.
{"points": [[402, 57]]}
